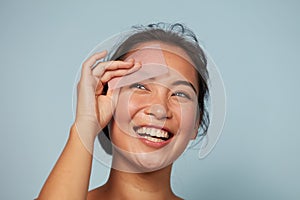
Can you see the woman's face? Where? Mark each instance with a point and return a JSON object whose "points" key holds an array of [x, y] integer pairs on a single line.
{"points": [[155, 117]]}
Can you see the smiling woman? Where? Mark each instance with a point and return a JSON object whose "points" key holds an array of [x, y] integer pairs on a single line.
{"points": [[148, 100]]}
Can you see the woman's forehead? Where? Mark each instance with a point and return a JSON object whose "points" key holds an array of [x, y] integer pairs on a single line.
{"points": [[174, 57], [159, 60], [164, 48]]}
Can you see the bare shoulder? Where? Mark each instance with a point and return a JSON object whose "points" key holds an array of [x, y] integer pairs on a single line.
{"points": [[98, 193], [177, 198]]}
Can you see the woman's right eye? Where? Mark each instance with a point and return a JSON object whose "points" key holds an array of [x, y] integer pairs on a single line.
{"points": [[138, 86]]}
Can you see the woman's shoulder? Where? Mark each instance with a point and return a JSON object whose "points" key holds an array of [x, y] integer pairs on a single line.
{"points": [[97, 193]]}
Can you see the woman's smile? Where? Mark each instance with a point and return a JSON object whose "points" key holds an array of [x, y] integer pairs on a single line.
{"points": [[156, 137]]}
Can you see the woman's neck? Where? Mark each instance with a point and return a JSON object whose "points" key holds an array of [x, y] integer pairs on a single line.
{"points": [[150, 185]]}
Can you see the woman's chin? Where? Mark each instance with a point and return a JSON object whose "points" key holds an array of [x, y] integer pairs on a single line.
{"points": [[140, 162]]}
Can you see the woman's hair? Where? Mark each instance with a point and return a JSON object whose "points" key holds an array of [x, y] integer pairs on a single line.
{"points": [[177, 35]]}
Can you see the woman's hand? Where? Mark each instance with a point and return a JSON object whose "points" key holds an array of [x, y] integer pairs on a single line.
{"points": [[94, 109], [70, 176]]}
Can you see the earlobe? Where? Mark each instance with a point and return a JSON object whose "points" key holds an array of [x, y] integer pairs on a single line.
{"points": [[197, 126], [196, 129], [195, 132]]}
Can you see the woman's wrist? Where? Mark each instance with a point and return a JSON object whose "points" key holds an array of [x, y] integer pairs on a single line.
{"points": [[84, 136]]}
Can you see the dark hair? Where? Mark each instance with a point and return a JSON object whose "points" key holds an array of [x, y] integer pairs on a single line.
{"points": [[177, 35]]}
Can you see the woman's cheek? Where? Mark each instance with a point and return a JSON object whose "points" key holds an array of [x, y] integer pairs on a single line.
{"points": [[135, 103], [188, 119], [127, 106]]}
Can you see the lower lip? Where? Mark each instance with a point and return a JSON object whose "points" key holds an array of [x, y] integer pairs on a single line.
{"points": [[154, 144]]}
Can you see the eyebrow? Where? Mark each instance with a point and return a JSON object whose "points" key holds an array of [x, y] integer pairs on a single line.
{"points": [[181, 82]]}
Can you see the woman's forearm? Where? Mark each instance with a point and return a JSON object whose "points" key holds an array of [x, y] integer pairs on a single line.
{"points": [[70, 176]]}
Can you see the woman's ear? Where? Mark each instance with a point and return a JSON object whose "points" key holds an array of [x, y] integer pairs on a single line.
{"points": [[195, 130], [194, 134], [196, 127]]}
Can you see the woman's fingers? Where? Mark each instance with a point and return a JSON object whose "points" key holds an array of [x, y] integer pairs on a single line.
{"points": [[108, 75], [97, 74], [102, 67], [87, 65]]}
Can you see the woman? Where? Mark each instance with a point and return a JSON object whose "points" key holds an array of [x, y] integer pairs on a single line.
{"points": [[150, 101]]}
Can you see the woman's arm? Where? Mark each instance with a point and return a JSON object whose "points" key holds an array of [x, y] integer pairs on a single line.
{"points": [[70, 176]]}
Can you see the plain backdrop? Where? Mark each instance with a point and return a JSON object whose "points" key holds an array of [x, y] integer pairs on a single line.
{"points": [[254, 43]]}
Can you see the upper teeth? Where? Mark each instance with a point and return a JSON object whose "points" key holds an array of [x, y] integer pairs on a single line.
{"points": [[153, 132]]}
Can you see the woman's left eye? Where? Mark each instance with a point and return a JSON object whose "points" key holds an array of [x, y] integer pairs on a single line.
{"points": [[139, 86], [181, 94]]}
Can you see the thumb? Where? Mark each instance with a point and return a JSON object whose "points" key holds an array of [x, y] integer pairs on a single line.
{"points": [[105, 110]]}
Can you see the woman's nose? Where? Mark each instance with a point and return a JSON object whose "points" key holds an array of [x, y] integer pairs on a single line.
{"points": [[158, 111]]}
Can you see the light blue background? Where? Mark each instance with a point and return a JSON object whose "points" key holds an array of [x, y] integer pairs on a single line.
{"points": [[254, 43]]}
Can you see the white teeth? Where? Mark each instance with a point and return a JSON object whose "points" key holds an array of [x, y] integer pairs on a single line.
{"points": [[153, 132], [141, 130], [153, 139]]}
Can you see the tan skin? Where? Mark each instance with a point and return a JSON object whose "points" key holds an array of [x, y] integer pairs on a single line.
{"points": [[69, 182]]}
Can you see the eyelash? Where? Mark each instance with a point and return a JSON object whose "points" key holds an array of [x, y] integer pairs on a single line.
{"points": [[138, 86], [181, 94]]}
